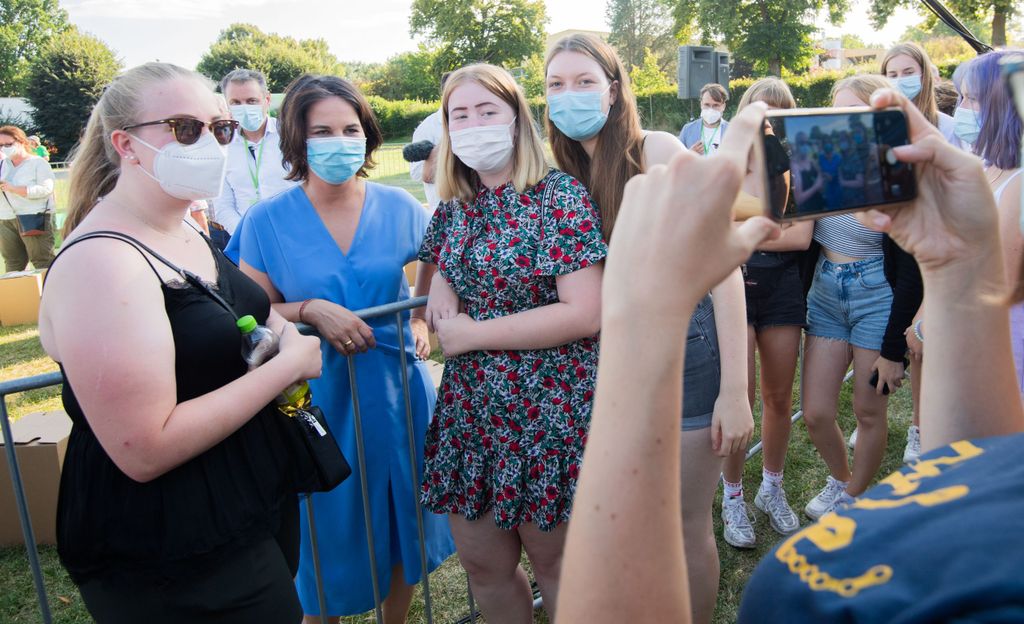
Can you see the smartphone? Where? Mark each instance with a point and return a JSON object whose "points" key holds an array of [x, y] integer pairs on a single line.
{"points": [[827, 161]]}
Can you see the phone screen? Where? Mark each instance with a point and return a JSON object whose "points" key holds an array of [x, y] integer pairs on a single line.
{"points": [[837, 162]]}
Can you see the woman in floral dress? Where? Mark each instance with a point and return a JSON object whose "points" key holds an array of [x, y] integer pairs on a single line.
{"points": [[516, 305]]}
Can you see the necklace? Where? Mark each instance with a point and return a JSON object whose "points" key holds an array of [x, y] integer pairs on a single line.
{"points": [[186, 238]]}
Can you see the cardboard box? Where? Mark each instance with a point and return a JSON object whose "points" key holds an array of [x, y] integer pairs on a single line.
{"points": [[19, 297], [40, 441]]}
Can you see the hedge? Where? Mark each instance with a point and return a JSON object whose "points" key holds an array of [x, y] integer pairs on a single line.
{"points": [[659, 110]]}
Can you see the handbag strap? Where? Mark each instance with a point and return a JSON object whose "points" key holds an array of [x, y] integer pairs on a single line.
{"points": [[554, 176], [185, 274]]}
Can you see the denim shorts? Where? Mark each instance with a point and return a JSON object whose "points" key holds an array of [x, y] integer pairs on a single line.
{"points": [[850, 302], [702, 374]]}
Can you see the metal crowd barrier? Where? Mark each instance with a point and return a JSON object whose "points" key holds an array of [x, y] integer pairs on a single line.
{"points": [[394, 309]]}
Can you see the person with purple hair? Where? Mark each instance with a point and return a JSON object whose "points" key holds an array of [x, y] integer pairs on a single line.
{"points": [[987, 120]]}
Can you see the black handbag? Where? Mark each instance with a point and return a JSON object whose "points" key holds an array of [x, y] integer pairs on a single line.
{"points": [[318, 464]]}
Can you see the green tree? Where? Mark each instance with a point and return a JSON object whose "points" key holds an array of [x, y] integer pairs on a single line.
{"points": [[64, 83], [408, 76], [26, 26], [502, 32], [639, 26], [996, 12], [648, 76], [771, 34], [530, 76], [281, 59]]}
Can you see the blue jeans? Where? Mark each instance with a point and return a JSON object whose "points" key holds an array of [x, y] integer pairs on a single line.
{"points": [[702, 371], [850, 302]]}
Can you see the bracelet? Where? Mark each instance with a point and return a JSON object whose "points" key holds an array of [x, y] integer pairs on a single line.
{"points": [[917, 330], [302, 308]]}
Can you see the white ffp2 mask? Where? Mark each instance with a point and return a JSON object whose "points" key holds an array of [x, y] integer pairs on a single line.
{"points": [[189, 171]]}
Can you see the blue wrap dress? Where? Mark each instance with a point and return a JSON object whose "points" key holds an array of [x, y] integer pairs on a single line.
{"points": [[285, 238]]}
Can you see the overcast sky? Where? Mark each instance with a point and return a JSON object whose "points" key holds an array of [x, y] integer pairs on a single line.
{"points": [[179, 31]]}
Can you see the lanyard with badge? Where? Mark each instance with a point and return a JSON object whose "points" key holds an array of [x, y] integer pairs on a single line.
{"points": [[254, 175], [711, 139]]}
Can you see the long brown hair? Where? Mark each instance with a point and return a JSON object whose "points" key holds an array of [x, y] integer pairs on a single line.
{"points": [[925, 100], [95, 163], [618, 155], [454, 178]]}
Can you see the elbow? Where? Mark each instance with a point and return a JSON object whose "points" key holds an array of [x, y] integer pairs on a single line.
{"points": [[590, 321], [138, 463]]}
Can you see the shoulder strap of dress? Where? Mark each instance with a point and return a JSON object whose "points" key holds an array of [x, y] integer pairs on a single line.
{"points": [[144, 249]]}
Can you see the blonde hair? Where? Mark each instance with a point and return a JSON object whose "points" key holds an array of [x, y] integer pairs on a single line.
{"points": [[454, 178], [925, 100], [862, 85], [618, 155], [770, 90], [96, 164]]}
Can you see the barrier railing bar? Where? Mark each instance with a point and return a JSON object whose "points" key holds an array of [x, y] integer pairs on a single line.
{"points": [[357, 419], [320, 597], [428, 605], [19, 494], [754, 450]]}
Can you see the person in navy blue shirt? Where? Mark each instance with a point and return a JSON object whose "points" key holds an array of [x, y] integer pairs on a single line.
{"points": [[937, 541]]}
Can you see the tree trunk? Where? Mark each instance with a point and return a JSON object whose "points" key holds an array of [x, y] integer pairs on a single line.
{"points": [[999, 27], [775, 67]]}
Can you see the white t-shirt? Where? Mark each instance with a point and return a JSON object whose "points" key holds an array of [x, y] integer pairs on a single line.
{"points": [[430, 129]]}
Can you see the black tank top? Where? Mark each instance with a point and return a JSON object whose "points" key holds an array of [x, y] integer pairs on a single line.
{"points": [[227, 497]]}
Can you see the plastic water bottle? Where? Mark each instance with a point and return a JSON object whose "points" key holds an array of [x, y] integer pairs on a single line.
{"points": [[260, 344]]}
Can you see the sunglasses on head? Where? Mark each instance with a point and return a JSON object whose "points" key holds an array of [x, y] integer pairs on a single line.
{"points": [[187, 130]]}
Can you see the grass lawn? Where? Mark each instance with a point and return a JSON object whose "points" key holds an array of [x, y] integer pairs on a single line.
{"points": [[21, 355]]}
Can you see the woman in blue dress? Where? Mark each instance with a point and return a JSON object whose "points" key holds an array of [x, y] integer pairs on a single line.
{"points": [[338, 243]]}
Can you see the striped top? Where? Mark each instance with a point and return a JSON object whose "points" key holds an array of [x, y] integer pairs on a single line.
{"points": [[844, 234]]}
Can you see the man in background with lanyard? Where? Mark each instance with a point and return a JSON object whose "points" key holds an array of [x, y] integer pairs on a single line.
{"points": [[704, 135], [254, 169]]}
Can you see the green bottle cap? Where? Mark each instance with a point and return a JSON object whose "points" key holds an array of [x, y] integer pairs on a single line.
{"points": [[247, 324]]}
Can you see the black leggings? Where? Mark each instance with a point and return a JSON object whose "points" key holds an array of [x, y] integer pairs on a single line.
{"points": [[251, 585]]}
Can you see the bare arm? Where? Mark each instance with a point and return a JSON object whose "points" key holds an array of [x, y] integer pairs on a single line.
{"points": [[576, 315], [1009, 226], [122, 368], [732, 422], [795, 237], [624, 558]]}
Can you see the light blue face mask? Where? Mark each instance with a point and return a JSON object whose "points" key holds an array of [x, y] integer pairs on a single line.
{"points": [[335, 159], [909, 86], [249, 116], [966, 124], [578, 114]]}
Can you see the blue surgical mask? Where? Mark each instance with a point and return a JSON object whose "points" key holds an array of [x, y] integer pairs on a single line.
{"points": [[578, 115], [335, 159], [249, 116], [966, 124], [909, 86]]}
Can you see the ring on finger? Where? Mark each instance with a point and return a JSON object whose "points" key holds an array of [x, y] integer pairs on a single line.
{"points": [[347, 343]]}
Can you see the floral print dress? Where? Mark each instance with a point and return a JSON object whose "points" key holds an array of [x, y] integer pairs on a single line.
{"points": [[510, 426]]}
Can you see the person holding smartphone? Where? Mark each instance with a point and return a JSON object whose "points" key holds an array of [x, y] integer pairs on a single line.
{"points": [[873, 562], [596, 137]]}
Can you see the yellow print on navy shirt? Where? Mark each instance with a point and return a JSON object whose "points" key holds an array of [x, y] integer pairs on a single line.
{"points": [[835, 532]]}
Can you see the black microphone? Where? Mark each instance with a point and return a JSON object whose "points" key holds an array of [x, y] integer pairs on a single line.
{"points": [[418, 151]]}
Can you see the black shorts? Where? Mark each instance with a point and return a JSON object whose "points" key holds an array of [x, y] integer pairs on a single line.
{"points": [[775, 296]]}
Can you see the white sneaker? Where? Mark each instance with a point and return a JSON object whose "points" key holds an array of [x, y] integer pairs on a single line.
{"points": [[780, 514], [913, 450], [736, 527], [852, 442], [825, 500]]}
